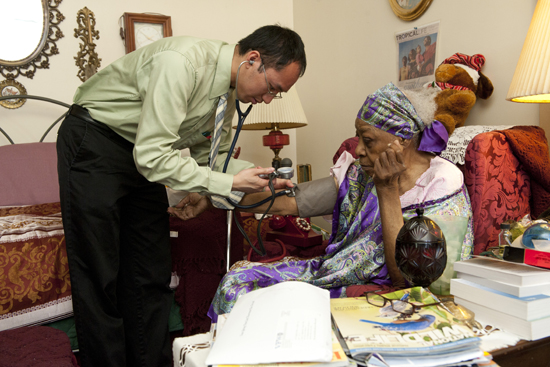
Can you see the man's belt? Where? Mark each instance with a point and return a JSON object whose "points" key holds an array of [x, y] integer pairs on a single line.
{"points": [[82, 113]]}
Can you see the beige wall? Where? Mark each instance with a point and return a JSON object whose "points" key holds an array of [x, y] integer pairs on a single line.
{"points": [[350, 48], [219, 19], [351, 53]]}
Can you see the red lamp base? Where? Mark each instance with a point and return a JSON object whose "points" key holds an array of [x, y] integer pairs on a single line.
{"points": [[276, 139]]}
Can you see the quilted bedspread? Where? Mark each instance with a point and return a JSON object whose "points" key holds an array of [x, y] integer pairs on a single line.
{"points": [[34, 272]]}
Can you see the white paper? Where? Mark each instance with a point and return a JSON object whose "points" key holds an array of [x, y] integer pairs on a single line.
{"points": [[541, 245], [287, 322]]}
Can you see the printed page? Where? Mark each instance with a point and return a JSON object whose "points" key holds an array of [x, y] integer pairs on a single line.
{"points": [[339, 359], [287, 322]]}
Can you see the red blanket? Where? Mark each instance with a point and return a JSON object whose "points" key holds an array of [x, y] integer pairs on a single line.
{"points": [[37, 346], [199, 255], [530, 147]]}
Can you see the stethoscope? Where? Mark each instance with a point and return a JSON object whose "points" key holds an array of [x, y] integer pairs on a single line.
{"points": [[241, 116], [285, 174]]}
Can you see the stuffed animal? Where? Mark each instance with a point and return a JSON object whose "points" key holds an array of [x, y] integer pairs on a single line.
{"points": [[461, 81]]}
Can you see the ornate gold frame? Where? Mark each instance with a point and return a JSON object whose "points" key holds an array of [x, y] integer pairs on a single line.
{"points": [[410, 14], [85, 19], [16, 102], [39, 59]]}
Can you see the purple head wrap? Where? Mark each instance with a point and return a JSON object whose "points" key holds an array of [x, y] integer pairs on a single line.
{"points": [[391, 111]]}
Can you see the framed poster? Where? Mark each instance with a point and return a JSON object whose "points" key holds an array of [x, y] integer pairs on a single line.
{"points": [[417, 53], [409, 9]]}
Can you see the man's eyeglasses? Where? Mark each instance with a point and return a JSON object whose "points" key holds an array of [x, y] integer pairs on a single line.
{"points": [[402, 307], [275, 95]]}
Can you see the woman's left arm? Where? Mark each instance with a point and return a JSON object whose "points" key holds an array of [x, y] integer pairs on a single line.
{"points": [[388, 168]]}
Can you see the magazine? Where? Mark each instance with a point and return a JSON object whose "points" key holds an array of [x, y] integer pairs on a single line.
{"points": [[432, 330]]}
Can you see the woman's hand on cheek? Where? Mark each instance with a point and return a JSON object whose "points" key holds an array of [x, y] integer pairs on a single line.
{"points": [[389, 166]]}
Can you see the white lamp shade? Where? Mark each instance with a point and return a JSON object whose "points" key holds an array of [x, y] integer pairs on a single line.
{"points": [[286, 113], [531, 81]]}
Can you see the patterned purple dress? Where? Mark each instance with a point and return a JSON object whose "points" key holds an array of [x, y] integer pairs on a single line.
{"points": [[355, 254]]}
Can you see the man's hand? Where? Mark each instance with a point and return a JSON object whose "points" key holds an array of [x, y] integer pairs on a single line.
{"points": [[190, 206], [249, 180]]}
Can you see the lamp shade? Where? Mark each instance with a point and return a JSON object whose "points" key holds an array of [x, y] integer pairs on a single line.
{"points": [[285, 113], [531, 81]]}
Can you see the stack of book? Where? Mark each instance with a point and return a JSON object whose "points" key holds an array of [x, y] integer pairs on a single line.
{"points": [[378, 335], [513, 297]]}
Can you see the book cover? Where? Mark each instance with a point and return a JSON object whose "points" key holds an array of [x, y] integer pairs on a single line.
{"points": [[529, 330], [527, 308], [514, 290], [366, 328], [503, 271], [528, 257]]}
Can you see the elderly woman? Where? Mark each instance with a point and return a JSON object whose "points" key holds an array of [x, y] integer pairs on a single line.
{"points": [[396, 172]]}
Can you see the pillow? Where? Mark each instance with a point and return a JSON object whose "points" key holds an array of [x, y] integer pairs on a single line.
{"points": [[34, 274], [29, 174]]}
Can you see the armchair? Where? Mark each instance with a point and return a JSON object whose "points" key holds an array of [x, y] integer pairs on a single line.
{"points": [[506, 172]]}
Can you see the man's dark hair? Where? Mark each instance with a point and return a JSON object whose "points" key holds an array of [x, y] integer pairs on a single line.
{"points": [[278, 46]]}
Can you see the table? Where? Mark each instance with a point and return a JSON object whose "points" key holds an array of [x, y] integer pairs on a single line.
{"points": [[525, 354]]}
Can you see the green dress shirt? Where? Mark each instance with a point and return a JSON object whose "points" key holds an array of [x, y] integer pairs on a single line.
{"points": [[163, 98]]}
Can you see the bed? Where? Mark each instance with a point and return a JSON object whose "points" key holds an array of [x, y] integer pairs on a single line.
{"points": [[34, 276], [35, 287]]}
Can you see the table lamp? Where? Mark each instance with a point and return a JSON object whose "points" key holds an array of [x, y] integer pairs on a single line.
{"points": [[284, 113], [531, 81]]}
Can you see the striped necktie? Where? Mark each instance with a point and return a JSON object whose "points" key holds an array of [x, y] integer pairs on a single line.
{"points": [[217, 135]]}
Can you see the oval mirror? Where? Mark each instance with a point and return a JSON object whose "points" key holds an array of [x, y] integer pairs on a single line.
{"points": [[28, 32], [22, 29]]}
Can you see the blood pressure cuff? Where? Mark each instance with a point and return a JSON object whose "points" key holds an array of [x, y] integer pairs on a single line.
{"points": [[315, 198]]}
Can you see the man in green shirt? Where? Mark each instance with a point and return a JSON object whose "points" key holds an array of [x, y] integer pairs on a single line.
{"points": [[119, 147]]}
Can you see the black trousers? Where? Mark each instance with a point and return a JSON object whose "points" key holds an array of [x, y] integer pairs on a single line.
{"points": [[118, 245]]}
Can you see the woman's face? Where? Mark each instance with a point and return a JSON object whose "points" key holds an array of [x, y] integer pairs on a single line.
{"points": [[372, 142]]}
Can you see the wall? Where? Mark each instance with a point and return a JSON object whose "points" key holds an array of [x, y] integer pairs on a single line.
{"points": [[219, 19], [350, 48], [351, 53]]}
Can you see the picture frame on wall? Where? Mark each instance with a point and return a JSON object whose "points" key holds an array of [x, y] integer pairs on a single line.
{"points": [[417, 55], [141, 29], [10, 87], [409, 9]]}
